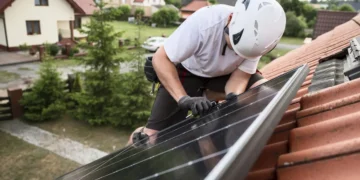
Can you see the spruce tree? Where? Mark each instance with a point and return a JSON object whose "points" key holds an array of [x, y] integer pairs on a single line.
{"points": [[136, 99], [45, 101], [99, 103]]}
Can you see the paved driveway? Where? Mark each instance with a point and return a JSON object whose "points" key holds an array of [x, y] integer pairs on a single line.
{"points": [[7, 58]]}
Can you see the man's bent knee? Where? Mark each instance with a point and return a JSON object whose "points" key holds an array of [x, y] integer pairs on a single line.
{"points": [[140, 133]]}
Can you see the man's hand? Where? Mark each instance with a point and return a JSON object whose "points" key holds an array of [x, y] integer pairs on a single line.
{"points": [[198, 105]]}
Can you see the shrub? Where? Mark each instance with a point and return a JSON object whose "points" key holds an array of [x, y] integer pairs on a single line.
{"points": [[295, 26], [63, 50], [139, 13], [125, 12], [24, 47], [74, 51], [52, 49], [45, 101], [165, 16]]}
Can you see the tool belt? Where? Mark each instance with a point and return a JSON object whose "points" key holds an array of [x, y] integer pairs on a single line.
{"points": [[150, 73]]}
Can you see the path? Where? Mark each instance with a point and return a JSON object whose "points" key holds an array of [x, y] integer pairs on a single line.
{"points": [[63, 147]]}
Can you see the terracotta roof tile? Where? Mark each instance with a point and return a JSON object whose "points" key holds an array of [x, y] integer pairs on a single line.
{"points": [[269, 156], [262, 174], [334, 168], [326, 132], [320, 127]]}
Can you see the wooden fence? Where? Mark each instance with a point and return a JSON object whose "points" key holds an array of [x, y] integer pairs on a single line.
{"points": [[5, 109]]}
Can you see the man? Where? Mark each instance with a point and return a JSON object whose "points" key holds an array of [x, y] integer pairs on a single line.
{"points": [[216, 48]]}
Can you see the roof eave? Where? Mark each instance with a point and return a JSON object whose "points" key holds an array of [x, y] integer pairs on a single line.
{"points": [[6, 6]]}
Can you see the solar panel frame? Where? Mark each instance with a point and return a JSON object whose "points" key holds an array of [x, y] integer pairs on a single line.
{"points": [[243, 154], [294, 72]]}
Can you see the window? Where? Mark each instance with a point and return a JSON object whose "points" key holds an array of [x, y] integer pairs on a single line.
{"points": [[41, 3], [77, 23], [123, 1], [33, 27]]}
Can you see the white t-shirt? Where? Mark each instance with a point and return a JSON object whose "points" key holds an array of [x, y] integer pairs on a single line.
{"points": [[198, 44]]}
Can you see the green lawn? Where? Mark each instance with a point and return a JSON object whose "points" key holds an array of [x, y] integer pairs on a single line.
{"points": [[66, 62], [105, 138], [292, 40], [131, 30], [6, 76], [274, 53], [20, 160], [24, 69]]}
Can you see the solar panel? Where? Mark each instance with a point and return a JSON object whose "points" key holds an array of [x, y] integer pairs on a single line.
{"points": [[221, 145]]}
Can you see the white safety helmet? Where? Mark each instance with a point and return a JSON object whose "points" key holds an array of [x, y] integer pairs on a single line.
{"points": [[256, 27]]}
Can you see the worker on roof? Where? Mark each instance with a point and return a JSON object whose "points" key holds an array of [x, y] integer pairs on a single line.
{"points": [[217, 48]]}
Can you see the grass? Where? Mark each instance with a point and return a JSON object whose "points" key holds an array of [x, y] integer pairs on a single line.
{"points": [[274, 53], [292, 40], [24, 69], [20, 160], [6, 76], [67, 62], [131, 30], [105, 138]]}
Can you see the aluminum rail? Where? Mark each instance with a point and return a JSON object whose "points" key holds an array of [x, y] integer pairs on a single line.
{"points": [[245, 151]]}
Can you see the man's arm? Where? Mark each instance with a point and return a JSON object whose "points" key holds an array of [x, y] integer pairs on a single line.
{"points": [[167, 73], [237, 82]]}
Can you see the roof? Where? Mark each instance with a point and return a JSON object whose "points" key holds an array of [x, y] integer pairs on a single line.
{"points": [[4, 4], [139, 1], [170, 6], [88, 7], [195, 5], [318, 136], [327, 20], [80, 6]]}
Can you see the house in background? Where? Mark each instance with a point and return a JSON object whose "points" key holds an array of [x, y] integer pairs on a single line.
{"points": [[117, 3], [328, 20], [193, 6], [36, 22], [147, 5]]}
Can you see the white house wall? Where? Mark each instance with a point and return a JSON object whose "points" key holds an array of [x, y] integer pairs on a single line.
{"points": [[22, 10], [2, 33]]}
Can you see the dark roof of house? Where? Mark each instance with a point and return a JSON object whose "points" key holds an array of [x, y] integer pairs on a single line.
{"points": [[195, 5], [327, 20], [85, 7], [139, 1], [227, 2], [355, 5], [318, 136]]}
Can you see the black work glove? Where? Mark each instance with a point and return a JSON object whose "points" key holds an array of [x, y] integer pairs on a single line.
{"points": [[231, 97], [198, 105]]}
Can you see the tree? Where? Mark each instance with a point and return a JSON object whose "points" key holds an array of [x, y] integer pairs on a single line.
{"points": [[165, 16], [125, 12], [135, 90], [176, 3], [45, 100], [139, 12], [314, 1], [213, 1], [346, 7], [292, 5], [310, 14], [295, 26], [99, 103]]}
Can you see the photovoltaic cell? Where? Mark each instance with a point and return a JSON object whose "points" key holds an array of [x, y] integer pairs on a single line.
{"points": [[189, 149]]}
